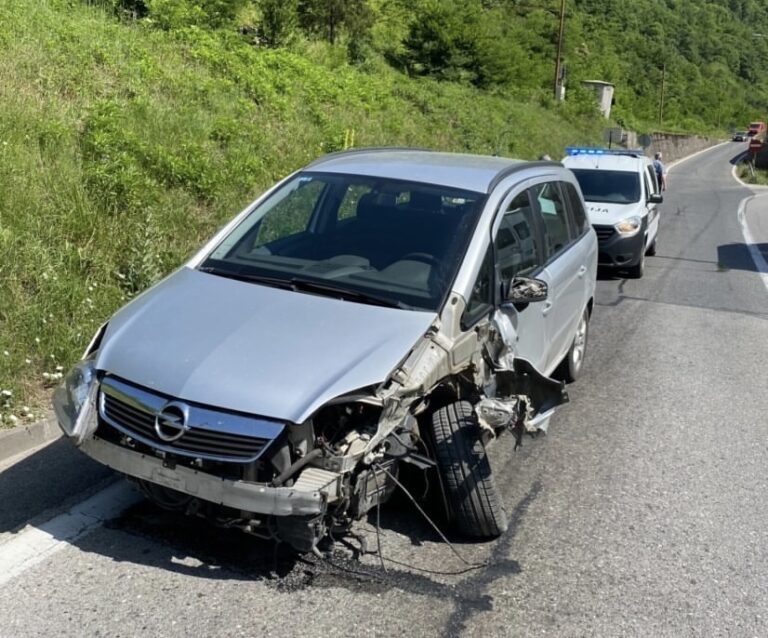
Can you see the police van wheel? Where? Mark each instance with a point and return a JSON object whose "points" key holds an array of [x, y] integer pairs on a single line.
{"points": [[474, 501]]}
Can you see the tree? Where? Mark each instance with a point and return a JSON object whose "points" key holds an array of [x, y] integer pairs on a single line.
{"points": [[279, 19], [327, 18]]}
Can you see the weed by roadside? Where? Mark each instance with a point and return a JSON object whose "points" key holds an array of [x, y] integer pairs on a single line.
{"points": [[751, 175]]}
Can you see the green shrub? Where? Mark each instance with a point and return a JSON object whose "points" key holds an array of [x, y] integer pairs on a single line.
{"points": [[174, 14]]}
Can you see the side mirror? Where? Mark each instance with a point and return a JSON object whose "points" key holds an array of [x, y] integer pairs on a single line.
{"points": [[524, 290], [655, 198]]}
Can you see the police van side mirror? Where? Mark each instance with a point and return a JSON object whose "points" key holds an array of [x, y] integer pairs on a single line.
{"points": [[655, 198]]}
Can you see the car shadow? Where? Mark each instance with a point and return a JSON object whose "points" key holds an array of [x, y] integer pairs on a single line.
{"points": [[144, 534], [44, 481], [609, 274], [52, 480], [738, 256], [736, 159]]}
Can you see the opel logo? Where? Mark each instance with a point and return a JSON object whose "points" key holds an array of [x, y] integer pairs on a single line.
{"points": [[171, 421]]}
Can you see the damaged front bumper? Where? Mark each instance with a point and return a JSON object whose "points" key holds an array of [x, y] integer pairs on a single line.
{"points": [[75, 404], [247, 496]]}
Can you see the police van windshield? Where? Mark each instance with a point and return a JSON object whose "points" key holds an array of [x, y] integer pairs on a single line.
{"points": [[609, 187]]}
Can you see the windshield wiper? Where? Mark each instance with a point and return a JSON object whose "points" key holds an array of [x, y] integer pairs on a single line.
{"points": [[251, 278], [310, 285]]}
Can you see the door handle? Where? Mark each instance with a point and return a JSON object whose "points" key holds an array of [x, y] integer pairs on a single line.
{"points": [[582, 271], [547, 307]]}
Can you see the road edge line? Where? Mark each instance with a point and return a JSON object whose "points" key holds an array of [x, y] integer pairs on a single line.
{"points": [[35, 544], [672, 165], [757, 256], [753, 187]]}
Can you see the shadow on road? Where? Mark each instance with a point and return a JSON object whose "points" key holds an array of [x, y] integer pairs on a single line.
{"points": [[738, 158], [609, 274], [45, 480], [148, 536], [739, 257]]}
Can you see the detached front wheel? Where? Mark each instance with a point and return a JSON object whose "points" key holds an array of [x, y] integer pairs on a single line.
{"points": [[465, 472]]}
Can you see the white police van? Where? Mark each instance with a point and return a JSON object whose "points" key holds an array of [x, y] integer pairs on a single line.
{"points": [[622, 194]]}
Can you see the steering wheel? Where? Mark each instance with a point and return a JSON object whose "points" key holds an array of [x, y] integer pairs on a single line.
{"points": [[431, 260]]}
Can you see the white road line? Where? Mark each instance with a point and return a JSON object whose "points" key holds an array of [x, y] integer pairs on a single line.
{"points": [[736, 167], [33, 545], [749, 240], [692, 155]]}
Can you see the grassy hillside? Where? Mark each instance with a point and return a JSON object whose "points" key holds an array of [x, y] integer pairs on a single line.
{"points": [[123, 145]]}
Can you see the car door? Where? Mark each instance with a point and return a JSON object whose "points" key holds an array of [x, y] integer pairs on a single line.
{"points": [[583, 242], [651, 187], [518, 251], [564, 272]]}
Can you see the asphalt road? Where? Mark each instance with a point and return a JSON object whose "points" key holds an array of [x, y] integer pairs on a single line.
{"points": [[643, 512]]}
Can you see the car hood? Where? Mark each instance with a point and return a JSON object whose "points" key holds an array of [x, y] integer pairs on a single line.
{"points": [[601, 213], [251, 348]]}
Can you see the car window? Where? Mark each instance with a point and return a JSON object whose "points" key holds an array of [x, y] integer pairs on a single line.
{"points": [[554, 217], [348, 206], [517, 242], [291, 215], [648, 186], [576, 206], [651, 177], [481, 300]]}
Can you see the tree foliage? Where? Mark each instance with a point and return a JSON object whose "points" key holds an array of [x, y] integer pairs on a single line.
{"points": [[712, 54]]}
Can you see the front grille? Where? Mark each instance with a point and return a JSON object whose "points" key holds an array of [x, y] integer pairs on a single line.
{"points": [[604, 233], [210, 434]]}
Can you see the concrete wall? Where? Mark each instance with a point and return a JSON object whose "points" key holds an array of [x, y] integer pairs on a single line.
{"points": [[673, 147]]}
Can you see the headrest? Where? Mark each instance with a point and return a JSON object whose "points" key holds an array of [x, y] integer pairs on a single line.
{"points": [[425, 201], [375, 204]]}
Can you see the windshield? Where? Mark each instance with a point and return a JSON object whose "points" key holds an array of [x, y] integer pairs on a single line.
{"points": [[384, 241], [610, 187]]}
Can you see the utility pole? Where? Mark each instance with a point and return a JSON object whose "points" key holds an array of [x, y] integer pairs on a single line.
{"points": [[559, 51], [663, 90]]}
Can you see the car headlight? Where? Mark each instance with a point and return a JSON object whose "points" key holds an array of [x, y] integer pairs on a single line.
{"points": [[74, 401], [629, 226]]}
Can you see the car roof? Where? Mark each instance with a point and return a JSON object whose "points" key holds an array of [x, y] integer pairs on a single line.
{"points": [[607, 162], [477, 173]]}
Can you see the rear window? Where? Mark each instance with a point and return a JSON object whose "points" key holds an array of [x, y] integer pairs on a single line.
{"points": [[609, 187]]}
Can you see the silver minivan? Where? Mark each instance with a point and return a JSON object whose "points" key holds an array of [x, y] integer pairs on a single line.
{"points": [[378, 308]]}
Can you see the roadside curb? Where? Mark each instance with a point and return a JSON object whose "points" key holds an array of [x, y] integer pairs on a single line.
{"points": [[22, 439]]}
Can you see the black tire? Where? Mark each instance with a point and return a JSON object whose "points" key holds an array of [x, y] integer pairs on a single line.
{"points": [[636, 271], [476, 508], [569, 368], [651, 252]]}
